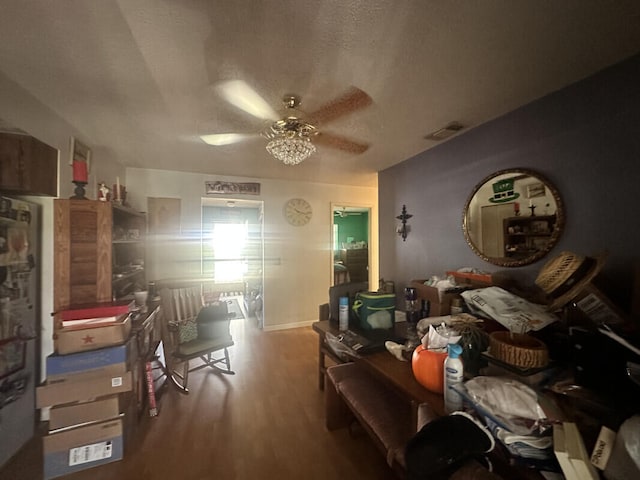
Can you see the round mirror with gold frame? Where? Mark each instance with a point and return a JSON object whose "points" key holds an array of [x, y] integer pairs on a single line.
{"points": [[513, 217]]}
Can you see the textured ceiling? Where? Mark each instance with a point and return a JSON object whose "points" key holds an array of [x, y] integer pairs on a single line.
{"points": [[137, 77]]}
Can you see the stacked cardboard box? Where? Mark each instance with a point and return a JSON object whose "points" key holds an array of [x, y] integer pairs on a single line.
{"points": [[89, 327], [87, 383]]}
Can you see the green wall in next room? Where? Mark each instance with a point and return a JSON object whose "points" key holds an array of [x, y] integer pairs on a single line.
{"points": [[356, 226]]}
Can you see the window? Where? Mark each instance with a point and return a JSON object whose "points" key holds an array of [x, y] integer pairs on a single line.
{"points": [[232, 243], [228, 242]]}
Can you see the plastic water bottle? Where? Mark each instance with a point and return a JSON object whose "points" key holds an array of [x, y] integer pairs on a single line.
{"points": [[344, 313], [453, 375]]}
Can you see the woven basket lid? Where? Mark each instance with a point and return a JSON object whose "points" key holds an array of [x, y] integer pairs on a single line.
{"points": [[564, 276]]}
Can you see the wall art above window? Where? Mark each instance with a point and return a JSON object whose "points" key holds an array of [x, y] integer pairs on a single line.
{"points": [[217, 188]]}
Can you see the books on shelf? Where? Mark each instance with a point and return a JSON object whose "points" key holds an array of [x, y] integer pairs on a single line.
{"points": [[571, 453]]}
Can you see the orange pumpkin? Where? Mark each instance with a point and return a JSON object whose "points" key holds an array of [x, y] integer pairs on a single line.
{"points": [[428, 368]]}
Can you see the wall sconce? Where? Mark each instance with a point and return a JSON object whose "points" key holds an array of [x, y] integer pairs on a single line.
{"points": [[403, 229]]}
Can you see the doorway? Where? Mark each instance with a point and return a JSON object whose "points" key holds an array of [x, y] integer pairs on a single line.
{"points": [[492, 228], [350, 239], [232, 251]]}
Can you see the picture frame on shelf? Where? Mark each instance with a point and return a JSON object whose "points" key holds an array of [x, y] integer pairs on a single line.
{"points": [[540, 226]]}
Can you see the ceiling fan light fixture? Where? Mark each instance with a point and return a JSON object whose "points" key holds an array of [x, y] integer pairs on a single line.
{"points": [[290, 140], [291, 149]]}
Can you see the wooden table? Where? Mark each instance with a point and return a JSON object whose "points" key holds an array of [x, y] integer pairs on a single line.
{"points": [[384, 366], [399, 376]]}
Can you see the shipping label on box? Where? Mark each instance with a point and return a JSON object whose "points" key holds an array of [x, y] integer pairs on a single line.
{"points": [[81, 448], [87, 388], [598, 307], [79, 413], [110, 360], [73, 340]]}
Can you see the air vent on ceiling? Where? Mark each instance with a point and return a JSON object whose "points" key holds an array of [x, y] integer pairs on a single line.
{"points": [[446, 132]]}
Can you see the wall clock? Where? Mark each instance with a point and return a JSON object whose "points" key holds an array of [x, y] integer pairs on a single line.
{"points": [[297, 211]]}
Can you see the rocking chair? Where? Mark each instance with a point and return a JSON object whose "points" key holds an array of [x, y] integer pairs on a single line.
{"points": [[192, 331]]}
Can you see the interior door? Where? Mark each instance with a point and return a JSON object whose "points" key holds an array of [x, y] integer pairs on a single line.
{"points": [[492, 230], [350, 239]]}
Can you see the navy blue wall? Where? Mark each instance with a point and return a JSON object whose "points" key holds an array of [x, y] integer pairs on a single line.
{"points": [[584, 138]]}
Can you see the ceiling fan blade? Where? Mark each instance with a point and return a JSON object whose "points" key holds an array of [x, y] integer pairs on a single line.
{"points": [[341, 143], [241, 95], [352, 100], [218, 139]]}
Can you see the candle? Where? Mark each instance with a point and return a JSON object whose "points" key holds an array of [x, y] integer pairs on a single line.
{"points": [[117, 188], [80, 173], [531, 203], [516, 207]]}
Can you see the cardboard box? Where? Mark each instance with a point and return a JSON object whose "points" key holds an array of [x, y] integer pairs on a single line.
{"points": [[472, 280], [439, 302], [79, 413], [108, 361], [74, 340], [93, 310], [56, 392], [81, 448], [597, 306]]}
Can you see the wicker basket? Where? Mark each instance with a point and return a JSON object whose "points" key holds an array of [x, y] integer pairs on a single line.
{"points": [[521, 350]]}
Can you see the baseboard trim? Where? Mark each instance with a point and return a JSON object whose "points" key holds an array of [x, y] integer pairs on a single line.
{"points": [[286, 326]]}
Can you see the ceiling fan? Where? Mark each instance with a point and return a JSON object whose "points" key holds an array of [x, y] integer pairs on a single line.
{"points": [[344, 213], [290, 135]]}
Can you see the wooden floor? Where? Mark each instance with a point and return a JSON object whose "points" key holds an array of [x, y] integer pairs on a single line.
{"points": [[266, 422]]}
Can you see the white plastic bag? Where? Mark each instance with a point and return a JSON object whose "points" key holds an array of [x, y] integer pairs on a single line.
{"points": [[513, 404], [624, 461], [511, 311]]}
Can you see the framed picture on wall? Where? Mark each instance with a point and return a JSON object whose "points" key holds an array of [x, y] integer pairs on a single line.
{"points": [[164, 215], [218, 188], [536, 190]]}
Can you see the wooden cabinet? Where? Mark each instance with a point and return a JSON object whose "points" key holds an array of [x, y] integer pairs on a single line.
{"points": [[128, 241], [526, 235], [27, 166], [357, 262], [99, 252], [82, 263]]}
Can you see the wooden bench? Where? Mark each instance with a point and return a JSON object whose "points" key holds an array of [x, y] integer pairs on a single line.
{"points": [[351, 393]]}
